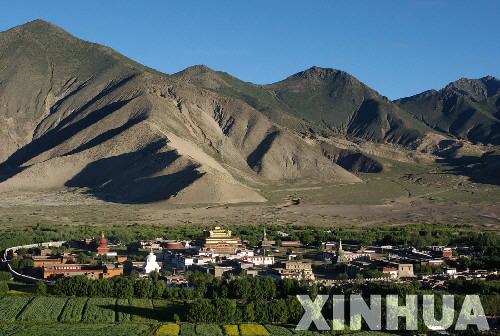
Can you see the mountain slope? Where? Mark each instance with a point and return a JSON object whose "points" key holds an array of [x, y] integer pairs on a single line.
{"points": [[467, 108], [342, 104], [79, 115], [319, 100]]}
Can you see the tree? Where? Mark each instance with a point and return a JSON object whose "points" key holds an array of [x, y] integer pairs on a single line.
{"points": [[288, 287], [226, 310], [278, 312], [295, 309], [248, 314], [261, 312], [241, 288], [158, 289], [134, 274], [264, 288], [101, 288], [201, 311], [25, 263], [123, 287], [82, 258], [41, 288], [73, 286], [154, 276], [143, 288]]}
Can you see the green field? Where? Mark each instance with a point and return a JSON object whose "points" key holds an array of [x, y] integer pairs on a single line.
{"points": [[80, 309], [141, 310], [27, 316], [11, 307], [73, 310], [100, 310], [136, 329], [122, 311], [43, 309], [60, 329]]}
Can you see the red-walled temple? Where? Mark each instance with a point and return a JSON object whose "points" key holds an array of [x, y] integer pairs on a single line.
{"points": [[103, 248]]}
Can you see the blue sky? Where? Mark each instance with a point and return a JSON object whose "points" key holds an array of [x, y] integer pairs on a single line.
{"points": [[397, 47]]}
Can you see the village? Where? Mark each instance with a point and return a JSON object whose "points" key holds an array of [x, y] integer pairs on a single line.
{"points": [[219, 253]]}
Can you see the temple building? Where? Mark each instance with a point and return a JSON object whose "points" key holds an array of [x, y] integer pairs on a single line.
{"points": [[151, 265], [347, 256], [266, 244], [298, 270], [220, 241], [104, 271], [102, 248]]}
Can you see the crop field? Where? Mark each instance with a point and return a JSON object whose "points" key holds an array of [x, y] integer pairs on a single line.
{"points": [[43, 309], [278, 330], [128, 329], [11, 306], [208, 330], [253, 329], [100, 310], [231, 330], [188, 329], [122, 311], [73, 310], [169, 329], [141, 310], [76, 309], [164, 309]]}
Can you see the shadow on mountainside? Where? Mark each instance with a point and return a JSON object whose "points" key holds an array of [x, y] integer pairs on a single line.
{"points": [[132, 178], [254, 160], [484, 169], [64, 131], [14, 164]]}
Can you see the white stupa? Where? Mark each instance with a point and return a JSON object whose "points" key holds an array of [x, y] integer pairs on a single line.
{"points": [[151, 265]]}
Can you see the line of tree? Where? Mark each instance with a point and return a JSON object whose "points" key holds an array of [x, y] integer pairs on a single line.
{"points": [[200, 286], [278, 311], [120, 287]]}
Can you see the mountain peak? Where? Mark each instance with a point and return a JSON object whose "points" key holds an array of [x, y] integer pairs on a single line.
{"points": [[40, 26], [482, 87], [316, 72], [197, 69]]}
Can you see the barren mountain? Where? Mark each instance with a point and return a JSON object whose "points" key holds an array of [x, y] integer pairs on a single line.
{"points": [[319, 100], [74, 114], [467, 108], [77, 114]]}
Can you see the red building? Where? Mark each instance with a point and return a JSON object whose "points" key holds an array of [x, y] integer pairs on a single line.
{"points": [[103, 248]]}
